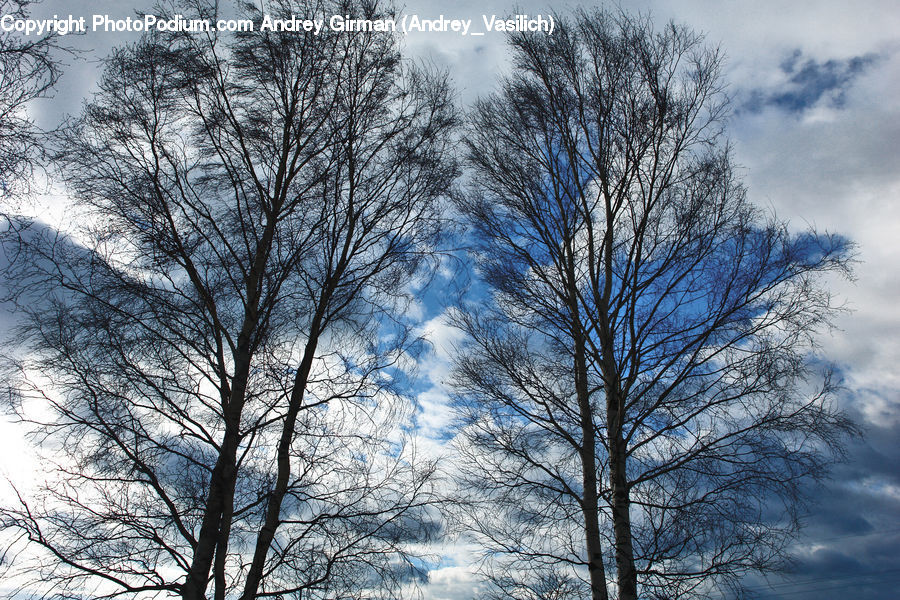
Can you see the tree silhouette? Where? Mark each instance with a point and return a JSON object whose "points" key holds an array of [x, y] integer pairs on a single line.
{"points": [[639, 402], [215, 337], [27, 71]]}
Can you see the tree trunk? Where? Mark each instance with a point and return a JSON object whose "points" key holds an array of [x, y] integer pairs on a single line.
{"points": [[221, 488], [626, 575], [273, 512], [590, 499]]}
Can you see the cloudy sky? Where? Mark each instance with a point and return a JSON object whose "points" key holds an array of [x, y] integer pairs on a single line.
{"points": [[816, 128]]}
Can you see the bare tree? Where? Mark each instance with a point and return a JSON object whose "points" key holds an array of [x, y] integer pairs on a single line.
{"points": [[27, 71], [639, 402], [217, 335]]}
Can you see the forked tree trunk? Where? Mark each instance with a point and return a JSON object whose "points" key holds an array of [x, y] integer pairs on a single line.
{"points": [[590, 502], [590, 499]]}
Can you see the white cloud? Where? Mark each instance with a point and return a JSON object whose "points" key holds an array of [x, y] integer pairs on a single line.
{"points": [[451, 583]]}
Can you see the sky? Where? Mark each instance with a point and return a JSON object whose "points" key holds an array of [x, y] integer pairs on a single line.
{"points": [[816, 131]]}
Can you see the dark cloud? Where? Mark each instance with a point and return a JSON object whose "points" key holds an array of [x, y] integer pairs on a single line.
{"points": [[809, 82], [850, 547]]}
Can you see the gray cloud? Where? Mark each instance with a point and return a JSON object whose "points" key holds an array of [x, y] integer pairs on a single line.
{"points": [[808, 82]]}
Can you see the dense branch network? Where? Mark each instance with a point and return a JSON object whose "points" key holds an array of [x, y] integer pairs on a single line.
{"points": [[639, 404], [218, 334]]}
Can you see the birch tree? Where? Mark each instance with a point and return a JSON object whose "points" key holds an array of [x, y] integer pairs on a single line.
{"points": [[217, 336], [641, 408]]}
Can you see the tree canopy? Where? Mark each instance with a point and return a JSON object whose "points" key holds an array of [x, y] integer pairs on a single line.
{"points": [[213, 350], [638, 400], [215, 333]]}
